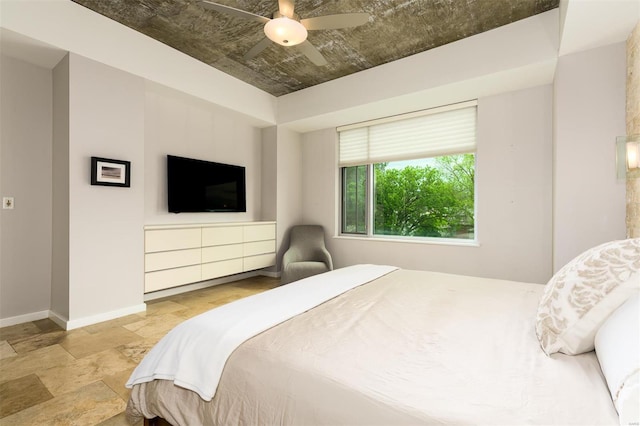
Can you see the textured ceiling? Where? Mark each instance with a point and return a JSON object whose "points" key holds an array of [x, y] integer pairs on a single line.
{"points": [[396, 29]]}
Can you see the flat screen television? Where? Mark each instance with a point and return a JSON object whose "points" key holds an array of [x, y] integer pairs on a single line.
{"points": [[204, 186]]}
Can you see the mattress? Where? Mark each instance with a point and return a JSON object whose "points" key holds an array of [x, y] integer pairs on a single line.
{"points": [[411, 347]]}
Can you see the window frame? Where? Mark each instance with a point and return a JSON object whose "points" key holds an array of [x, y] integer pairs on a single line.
{"points": [[370, 209], [342, 173], [370, 188]]}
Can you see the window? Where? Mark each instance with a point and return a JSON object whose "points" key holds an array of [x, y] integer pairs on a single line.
{"points": [[354, 199], [410, 176]]}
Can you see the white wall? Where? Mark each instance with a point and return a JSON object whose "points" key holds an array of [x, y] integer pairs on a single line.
{"points": [[25, 174], [589, 112], [514, 163], [106, 116], [89, 266], [512, 57], [182, 125]]}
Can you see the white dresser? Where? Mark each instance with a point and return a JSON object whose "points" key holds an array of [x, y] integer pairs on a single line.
{"points": [[175, 255]]}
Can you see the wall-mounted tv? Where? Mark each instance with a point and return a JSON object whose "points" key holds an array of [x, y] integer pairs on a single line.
{"points": [[204, 186]]}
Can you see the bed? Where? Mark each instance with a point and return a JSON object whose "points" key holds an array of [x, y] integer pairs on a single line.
{"points": [[394, 347]]}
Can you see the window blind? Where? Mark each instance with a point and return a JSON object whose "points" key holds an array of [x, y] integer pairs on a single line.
{"points": [[440, 131]]}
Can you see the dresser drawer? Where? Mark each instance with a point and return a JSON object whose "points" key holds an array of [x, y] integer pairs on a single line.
{"points": [[222, 268], [260, 261], [171, 239], [259, 232], [218, 235], [168, 278], [217, 253], [171, 259], [259, 247]]}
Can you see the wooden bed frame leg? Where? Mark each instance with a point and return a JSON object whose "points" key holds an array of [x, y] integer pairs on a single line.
{"points": [[156, 421]]}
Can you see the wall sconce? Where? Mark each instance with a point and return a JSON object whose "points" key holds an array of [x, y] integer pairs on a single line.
{"points": [[627, 154]]}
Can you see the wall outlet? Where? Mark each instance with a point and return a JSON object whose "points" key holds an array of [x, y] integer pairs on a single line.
{"points": [[7, 203]]}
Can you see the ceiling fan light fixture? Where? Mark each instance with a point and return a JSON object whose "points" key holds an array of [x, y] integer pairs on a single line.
{"points": [[285, 31]]}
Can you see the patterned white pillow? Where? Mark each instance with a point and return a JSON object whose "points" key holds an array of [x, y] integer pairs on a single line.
{"points": [[581, 295]]}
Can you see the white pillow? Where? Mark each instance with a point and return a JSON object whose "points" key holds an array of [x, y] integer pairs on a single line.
{"points": [[581, 295], [618, 348]]}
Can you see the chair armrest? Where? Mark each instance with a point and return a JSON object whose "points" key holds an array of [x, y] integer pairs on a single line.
{"points": [[291, 255], [326, 257]]}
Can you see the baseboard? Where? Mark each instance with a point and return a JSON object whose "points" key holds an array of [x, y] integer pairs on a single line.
{"points": [[106, 316], [64, 322], [19, 319], [67, 324], [58, 319]]}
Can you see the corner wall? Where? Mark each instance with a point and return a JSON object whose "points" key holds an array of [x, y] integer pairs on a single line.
{"points": [[289, 186], [589, 112], [282, 184], [60, 182], [106, 244]]}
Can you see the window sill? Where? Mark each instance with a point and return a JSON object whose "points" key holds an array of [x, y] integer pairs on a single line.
{"points": [[411, 240]]}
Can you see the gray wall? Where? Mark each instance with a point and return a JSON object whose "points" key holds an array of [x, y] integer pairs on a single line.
{"points": [[514, 183], [589, 112], [289, 186], [269, 183], [60, 231], [25, 174]]}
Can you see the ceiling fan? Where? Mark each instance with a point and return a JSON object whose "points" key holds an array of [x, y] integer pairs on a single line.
{"points": [[287, 29]]}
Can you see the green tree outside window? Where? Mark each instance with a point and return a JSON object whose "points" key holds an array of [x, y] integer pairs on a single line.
{"points": [[432, 199]]}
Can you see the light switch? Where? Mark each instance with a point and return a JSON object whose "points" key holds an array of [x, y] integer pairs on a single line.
{"points": [[7, 203]]}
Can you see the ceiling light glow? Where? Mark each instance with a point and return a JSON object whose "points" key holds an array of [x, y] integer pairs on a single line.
{"points": [[285, 31]]}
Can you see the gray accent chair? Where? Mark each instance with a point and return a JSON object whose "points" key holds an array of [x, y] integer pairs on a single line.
{"points": [[306, 255]]}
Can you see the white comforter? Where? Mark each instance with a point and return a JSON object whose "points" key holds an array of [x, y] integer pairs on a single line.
{"points": [[408, 348], [194, 353]]}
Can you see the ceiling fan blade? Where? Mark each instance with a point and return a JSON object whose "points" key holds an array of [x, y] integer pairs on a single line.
{"points": [[332, 22], [312, 53], [233, 11], [286, 7], [257, 49]]}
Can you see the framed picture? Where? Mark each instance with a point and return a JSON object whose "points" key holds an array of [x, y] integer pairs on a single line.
{"points": [[107, 172]]}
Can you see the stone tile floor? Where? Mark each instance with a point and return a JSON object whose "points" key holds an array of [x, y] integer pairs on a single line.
{"points": [[49, 376]]}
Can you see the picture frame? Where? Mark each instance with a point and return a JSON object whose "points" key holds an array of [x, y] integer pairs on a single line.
{"points": [[110, 172]]}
